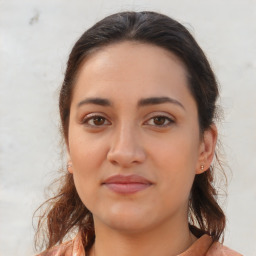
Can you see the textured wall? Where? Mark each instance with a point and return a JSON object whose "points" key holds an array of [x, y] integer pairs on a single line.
{"points": [[35, 39]]}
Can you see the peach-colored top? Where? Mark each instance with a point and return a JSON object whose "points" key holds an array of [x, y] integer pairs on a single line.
{"points": [[203, 246]]}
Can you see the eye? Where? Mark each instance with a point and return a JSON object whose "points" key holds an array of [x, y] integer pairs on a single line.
{"points": [[160, 121], [95, 120]]}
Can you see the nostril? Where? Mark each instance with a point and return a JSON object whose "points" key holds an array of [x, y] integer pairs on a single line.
{"points": [[113, 162], [125, 158], [125, 148]]}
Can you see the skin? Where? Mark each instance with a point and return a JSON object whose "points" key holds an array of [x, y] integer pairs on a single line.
{"points": [[129, 139]]}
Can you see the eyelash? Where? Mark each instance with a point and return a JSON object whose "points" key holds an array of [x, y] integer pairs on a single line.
{"points": [[94, 117], [168, 119]]}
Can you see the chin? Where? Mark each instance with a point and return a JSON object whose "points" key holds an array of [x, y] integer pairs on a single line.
{"points": [[128, 221], [128, 226]]}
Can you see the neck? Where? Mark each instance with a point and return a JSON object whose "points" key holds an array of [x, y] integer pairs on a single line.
{"points": [[167, 239]]}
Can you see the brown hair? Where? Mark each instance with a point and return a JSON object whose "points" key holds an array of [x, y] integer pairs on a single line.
{"points": [[66, 211]]}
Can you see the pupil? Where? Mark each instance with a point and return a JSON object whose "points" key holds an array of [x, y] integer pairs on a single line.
{"points": [[98, 120], [159, 120]]}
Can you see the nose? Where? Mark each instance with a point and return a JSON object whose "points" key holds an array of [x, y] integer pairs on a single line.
{"points": [[125, 149]]}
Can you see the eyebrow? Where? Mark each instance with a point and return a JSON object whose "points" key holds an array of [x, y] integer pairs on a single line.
{"points": [[141, 103], [158, 100], [96, 101]]}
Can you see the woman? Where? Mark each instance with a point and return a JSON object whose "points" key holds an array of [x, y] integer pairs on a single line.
{"points": [[137, 107]]}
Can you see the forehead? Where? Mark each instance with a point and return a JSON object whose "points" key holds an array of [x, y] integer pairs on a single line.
{"points": [[131, 69]]}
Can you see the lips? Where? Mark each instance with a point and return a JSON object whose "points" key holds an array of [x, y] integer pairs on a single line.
{"points": [[126, 184]]}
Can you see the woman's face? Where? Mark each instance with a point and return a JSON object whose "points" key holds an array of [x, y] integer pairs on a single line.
{"points": [[133, 114]]}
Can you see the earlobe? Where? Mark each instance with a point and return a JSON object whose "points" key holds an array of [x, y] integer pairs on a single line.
{"points": [[207, 149], [69, 163], [201, 169], [69, 167]]}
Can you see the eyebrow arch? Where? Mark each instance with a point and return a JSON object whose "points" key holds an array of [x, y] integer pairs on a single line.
{"points": [[141, 103], [158, 100], [96, 101]]}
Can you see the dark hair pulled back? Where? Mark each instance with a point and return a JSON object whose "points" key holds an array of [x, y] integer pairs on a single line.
{"points": [[66, 211]]}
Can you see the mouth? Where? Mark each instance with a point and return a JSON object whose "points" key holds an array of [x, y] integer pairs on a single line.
{"points": [[127, 184]]}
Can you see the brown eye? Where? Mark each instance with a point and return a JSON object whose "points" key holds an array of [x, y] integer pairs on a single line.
{"points": [[95, 121], [98, 120], [159, 120]]}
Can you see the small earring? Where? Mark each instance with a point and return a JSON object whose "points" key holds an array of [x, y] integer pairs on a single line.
{"points": [[69, 164], [201, 167]]}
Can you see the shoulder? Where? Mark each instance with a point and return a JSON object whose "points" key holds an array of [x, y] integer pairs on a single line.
{"points": [[71, 248], [64, 249], [218, 249]]}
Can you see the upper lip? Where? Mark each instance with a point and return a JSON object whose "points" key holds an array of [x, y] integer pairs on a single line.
{"points": [[123, 179]]}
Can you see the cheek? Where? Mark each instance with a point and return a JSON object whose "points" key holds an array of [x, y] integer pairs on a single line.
{"points": [[85, 174], [87, 154], [175, 159], [177, 152], [86, 150]]}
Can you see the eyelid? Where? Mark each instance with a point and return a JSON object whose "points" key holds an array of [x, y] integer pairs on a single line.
{"points": [[90, 116], [161, 113], [170, 118]]}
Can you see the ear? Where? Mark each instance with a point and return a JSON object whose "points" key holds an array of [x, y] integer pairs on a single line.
{"points": [[207, 149], [69, 163], [70, 167], [67, 146]]}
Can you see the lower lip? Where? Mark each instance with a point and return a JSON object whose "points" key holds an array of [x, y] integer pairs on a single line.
{"points": [[127, 188]]}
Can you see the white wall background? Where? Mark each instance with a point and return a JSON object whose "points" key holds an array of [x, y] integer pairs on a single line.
{"points": [[35, 39]]}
